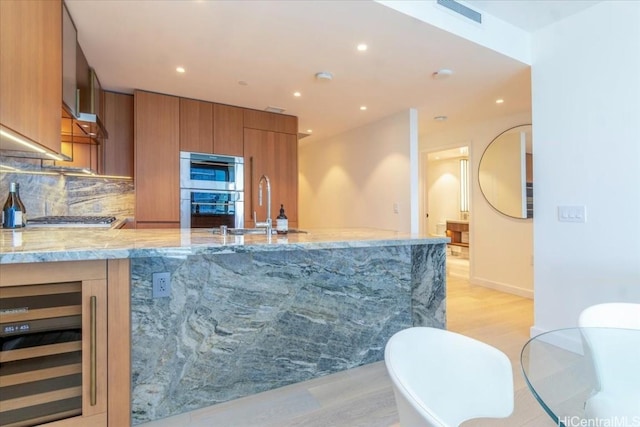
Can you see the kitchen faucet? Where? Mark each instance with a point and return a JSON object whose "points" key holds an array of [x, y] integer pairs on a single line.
{"points": [[267, 223]]}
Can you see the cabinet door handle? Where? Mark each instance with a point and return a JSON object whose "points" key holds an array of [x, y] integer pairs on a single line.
{"points": [[251, 183], [92, 368]]}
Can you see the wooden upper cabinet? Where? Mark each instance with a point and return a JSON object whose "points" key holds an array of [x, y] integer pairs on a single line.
{"points": [[118, 148], [31, 69], [228, 130], [157, 157], [196, 126], [264, 120]]}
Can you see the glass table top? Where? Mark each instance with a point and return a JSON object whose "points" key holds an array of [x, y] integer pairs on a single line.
{"points": [[586, 376]]}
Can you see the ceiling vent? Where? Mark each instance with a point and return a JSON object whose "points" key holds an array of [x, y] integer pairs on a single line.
{"points": [[324, 76], [272, 109], [462, 10]]}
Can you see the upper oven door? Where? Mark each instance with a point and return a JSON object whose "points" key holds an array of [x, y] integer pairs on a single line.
{"points": [[211, 172]]}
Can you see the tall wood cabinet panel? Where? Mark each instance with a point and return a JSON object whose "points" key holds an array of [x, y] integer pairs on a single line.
{"points": [[31, 69], [157, 151], [228, 130], [286, 173], [95, 292], [118, 148], [272, 154], [196, 126]]}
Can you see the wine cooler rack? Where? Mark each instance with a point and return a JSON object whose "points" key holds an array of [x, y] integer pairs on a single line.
{"points": [[41, 353]]}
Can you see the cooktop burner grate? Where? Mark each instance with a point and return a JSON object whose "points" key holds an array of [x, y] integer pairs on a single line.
{"points": [[81, 220]]}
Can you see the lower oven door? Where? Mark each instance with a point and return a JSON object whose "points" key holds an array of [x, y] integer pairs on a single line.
{"points": [[209, 209]]}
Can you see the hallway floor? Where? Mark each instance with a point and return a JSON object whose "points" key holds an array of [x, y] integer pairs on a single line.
{"points": [[363, 396]]}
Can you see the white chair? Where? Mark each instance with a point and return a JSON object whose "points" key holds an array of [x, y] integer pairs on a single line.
{"points": [[616, 359], [441, 378], [611, 315]]}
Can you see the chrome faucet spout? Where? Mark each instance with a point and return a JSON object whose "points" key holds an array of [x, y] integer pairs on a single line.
{"points": [[268, 222]]}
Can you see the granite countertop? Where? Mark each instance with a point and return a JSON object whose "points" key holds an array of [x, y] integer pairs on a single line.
{"points": [[69, 244]]}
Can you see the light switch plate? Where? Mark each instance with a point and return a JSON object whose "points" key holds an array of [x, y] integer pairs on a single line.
{"points": [[572, 214]]}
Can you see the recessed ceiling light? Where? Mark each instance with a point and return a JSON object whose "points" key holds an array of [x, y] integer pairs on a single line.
{"points": [[242, 83], [499, 101], [441, 74], [363, 107], [309, 130], [362, 47], [297, 94], [440, 118], [180, 69]]}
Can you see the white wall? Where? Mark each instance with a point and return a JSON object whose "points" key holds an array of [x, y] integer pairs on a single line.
{"points": [[443, 192], [354, 179], [493, 33], [586, 130], [500, 247]]}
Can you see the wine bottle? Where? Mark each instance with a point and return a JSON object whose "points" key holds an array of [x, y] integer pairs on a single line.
{"points": [[14, 213], [282, 223]]}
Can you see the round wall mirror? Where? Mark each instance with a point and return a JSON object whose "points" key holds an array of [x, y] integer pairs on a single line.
{"points": [[506, 172]]}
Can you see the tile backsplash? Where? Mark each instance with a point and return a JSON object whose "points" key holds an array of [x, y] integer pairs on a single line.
{"points": [[66, 195]]}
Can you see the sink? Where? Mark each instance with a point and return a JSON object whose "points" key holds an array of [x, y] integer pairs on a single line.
{"points": [[243, 231]]}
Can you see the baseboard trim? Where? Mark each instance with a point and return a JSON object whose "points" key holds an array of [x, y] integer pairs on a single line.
{"points": [[502, 287]]}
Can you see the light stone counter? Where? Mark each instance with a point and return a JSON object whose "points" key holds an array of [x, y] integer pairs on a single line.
{"points": [[252, 313], [69, 244]]}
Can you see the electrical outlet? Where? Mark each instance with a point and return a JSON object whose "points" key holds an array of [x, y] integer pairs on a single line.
{"points": [[161, 285]]}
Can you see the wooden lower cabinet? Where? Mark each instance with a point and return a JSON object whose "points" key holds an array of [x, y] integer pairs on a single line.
{"points": [[65, 334], [275, 155], [458, 232]]}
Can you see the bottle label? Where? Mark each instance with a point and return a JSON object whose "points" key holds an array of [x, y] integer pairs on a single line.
{"points": [[12, 218], [282, 225]]}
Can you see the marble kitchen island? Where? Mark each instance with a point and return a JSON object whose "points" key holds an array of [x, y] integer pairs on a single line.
{"points": [[252, 313]]}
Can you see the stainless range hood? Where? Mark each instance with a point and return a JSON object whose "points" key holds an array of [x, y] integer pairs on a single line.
{"points": [[88, 100]]}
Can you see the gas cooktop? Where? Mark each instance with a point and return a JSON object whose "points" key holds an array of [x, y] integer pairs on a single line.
{"points": [[72, 221]]}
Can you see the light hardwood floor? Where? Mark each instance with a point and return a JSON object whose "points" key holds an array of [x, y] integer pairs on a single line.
{"points": [[363, 396]]}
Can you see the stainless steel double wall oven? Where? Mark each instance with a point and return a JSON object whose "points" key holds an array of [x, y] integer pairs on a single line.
{"points": [[211, 190]]}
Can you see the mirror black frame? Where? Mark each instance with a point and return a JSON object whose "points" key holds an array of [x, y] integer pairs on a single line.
{"points": [[528, 185]]}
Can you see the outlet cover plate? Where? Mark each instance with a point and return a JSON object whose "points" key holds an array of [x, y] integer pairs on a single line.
{"points": [[161, 285]]}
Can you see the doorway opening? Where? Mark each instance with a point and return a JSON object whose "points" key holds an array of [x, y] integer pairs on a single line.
{"points": [[446, 203]]}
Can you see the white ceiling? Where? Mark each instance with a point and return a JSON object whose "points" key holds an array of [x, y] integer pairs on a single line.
{"points": [[277, 47]]}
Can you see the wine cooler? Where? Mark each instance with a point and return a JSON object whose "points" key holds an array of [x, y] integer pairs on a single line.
{"points": [[48, 352]]}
